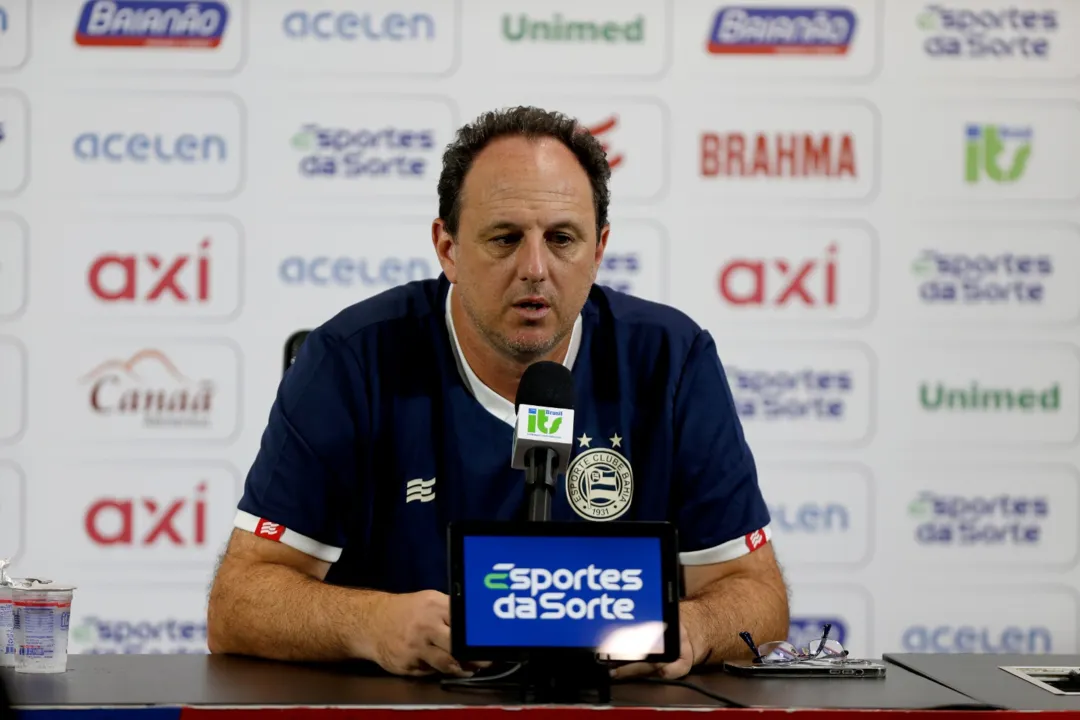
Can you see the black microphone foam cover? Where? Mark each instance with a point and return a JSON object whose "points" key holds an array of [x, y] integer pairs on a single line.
{"points": [[546, 384]]}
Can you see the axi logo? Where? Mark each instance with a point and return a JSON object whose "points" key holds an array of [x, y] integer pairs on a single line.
{"points": [[538, 420], [778, 281], [985, 152], [792, 155], [975, 398], [152, 23], [801, 394], [148, 521], [373, 153], [755, 30], [599, 130], [536, 584], [991, 34], [124, 388], [967, 521], [183, 279], [955, 278]]}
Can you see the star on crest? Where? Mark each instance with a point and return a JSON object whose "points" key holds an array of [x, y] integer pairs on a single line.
{"points": [[616, 440], [584, 440]]}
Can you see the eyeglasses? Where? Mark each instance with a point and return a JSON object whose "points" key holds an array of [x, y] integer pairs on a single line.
{"points": [[781, 651]]}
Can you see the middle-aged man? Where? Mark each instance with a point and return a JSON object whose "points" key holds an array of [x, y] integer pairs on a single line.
{"points": [[397, 417]]}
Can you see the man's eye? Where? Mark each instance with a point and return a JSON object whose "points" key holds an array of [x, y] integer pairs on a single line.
{"points": [[562, 239], [504, 240]]}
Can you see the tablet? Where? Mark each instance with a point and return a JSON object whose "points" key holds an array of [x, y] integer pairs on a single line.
{"points": [[522, 590]]}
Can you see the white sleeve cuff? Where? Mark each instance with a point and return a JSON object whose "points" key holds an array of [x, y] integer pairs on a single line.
{"points": [[729, 550], [279, 533]]}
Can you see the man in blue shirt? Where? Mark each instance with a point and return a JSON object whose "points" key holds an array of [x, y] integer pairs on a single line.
{"points": [[397, 417]]}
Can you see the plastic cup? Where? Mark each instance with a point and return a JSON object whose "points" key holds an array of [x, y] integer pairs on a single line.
{"points": [[42, 617], [7, 628]]}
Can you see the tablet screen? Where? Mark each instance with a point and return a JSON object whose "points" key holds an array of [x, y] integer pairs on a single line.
{"points": [[602, 594]]}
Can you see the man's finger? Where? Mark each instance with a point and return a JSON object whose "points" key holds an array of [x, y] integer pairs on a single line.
{"points": [[440, 638], [675, 670], [637, 669], [443, 662]]}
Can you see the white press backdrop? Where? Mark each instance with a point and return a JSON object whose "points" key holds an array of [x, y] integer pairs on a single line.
{"points": [[846, 286]]}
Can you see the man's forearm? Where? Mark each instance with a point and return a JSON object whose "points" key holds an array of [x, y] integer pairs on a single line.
{"points": [[716, 615], [273, 611]]}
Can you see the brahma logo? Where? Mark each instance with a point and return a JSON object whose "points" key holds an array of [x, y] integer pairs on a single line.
{"points": [[534, 583], [152, 23], [759, 30], [772, 155]]}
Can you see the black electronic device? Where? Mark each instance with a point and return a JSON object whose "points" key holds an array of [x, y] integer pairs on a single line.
{"points": [[568, 600]]}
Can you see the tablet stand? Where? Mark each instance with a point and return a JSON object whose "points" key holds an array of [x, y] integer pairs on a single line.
{"points": [[567, 679]]}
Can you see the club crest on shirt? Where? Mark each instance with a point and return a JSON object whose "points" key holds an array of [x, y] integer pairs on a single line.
{"points": [[599, 484]]}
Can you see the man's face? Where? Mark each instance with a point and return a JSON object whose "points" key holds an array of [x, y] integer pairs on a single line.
{"points": [[526, 251]]}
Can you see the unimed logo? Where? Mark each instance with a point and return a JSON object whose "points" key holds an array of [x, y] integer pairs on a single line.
{"points": [[979, 398]]}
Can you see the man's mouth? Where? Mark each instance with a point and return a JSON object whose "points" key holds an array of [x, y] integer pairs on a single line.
{"points": [[532, 304]]}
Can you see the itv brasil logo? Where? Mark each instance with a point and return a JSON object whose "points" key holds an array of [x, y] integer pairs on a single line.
{"points": [[997, 153], [559, 593], [538, 421]]}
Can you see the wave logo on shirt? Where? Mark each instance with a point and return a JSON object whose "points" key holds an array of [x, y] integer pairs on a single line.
{"points": [[600, 484], [152, 23]]}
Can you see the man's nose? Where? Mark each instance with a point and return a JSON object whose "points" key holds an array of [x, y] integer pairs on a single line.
{"points": [[532, 257]]}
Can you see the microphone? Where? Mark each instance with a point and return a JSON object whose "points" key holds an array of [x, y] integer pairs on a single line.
{"points": [[544, 432]]}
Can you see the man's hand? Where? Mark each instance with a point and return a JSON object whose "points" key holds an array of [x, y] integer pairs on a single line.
{"points": [[413, 635], [668, 671]]}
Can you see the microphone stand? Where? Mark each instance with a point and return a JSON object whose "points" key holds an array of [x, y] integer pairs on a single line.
{"points": [[554, 676], [540, 482]]}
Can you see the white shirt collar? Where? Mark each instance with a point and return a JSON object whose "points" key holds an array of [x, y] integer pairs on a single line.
{"points": [[492, 401]]}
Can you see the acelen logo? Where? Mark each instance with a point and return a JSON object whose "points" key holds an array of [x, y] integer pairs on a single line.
{"points": [[169, 390], [748, 30], [152, 23]]}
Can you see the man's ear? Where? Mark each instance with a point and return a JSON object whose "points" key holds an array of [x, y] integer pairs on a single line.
{"points": [[601, 246], [445, 248]]}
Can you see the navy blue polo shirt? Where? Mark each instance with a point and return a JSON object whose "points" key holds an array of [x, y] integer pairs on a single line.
{"points": [[381, 434]]}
